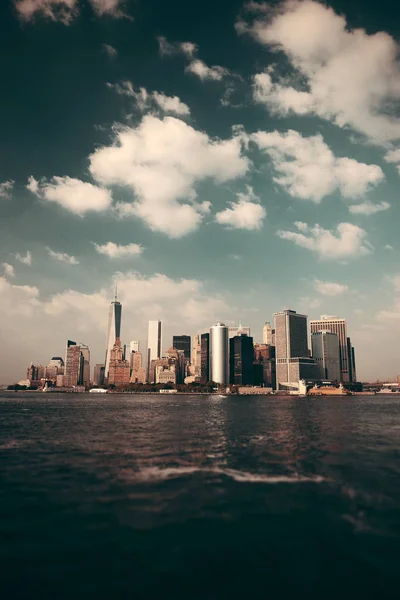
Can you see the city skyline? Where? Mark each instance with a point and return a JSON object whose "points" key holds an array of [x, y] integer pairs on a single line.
{"points": [[198, 174]]}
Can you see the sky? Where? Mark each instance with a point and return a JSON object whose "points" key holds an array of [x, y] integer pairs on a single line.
{"points": [[220, 161]]}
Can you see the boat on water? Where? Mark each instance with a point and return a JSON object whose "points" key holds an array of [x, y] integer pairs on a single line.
{"points": [[97, 391], [328, 390]]}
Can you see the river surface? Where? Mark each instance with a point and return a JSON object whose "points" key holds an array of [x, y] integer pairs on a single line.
{"points": [[134, 496]]}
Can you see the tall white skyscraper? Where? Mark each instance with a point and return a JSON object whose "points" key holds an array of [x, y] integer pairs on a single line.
{"points": [[113, 330], [267, 334], [338, 326], [219, 353], [134, 346], [153, 344]]}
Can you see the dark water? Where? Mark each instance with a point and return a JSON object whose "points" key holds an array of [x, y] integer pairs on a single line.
{"points": [[199, 497]]}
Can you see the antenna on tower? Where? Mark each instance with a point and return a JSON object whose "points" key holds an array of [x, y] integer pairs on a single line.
{"points": [[116, 291]]}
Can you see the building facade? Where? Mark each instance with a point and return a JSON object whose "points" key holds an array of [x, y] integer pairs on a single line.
{"points": [[241, 355], [267, 334], [138, 373], [205, 358], [182, 342], [239, 330], [326, 353], [113, 331], [153, 347], [219, 354], [98, 374], [119, 370], [196, 357], [338, 326], [73, 370], [290, 346]]}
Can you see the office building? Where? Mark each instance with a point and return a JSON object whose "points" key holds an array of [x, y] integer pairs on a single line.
{"points": [[138, 373], [98, 374], [352, 362], [239, 330], [264, 366], [73, 370], [113, 330], [219, 353], [267, 334], [119, 370], [182, 342], [134, 346], [325, 350], [85, 379], [196, 357], [205, 358], [338, 326], [292, 355], [153, 347], [241, 356]]}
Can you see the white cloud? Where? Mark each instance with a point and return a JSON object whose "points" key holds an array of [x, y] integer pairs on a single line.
{"points": [[246, 213], [113, 250], [65, 11], [167, 48], [329, 288], [391, 316], [146, 100], [8, 270], [55, 10], [202, 71], [74, 195], [347, 76], [161, 160], [367, 208], [110, 50], [26, 260], [388, 247], [348, 241], [62, 257], [6, 188], [393, 156], [308, 169]]}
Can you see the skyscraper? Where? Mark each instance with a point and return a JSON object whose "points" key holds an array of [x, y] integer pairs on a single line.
{"points": [[134, 346], [85, 378], [182, 342], [153, 346], [113, 331], [338, 326], [196, 356], [352, 362], [219, 353], [292, 357], [325, 350], [205, 358], [267, 334], [98, 374], [74, 363], [241, 354]]}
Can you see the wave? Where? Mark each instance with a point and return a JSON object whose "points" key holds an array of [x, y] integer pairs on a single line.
{"points": [[160, 474]]}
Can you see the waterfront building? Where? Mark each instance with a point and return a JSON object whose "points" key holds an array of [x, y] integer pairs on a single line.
{"points": [[239, 330], [54, 368], [119, 369], [73, 370], [182, 342], [113, 330], [292, 354], [98, 374], [138, 374], [85, 378], [352, 362], [219, 353], [35, 372], [196, 357], [241, 355], [339, 326], [166, 374], [153, 347], [267, 334], [264, 366], [177, 357], [205, 358], [325, 350]]}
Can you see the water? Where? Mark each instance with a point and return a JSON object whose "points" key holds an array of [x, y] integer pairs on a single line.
{"points": [[130, 496]]}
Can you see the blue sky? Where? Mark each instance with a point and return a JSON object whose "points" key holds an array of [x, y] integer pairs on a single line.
{"points": [[222, 161]]}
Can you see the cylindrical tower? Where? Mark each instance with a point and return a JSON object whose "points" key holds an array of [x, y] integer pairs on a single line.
{"points": [[219, 355]]}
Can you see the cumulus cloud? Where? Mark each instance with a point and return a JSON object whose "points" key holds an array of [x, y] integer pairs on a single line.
{"points": [[347, 76], [113, 250], [393, 156], [146, 100], [110, 50], [72, 194], [62, 257], [8, 270], [161, 160], [167, 48], [391, 316], [65, 11], [348, 241], [6, 188], [307, 168], [368, 208], [202, 71], [330, 288], [24, 259], [246, 213]]}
